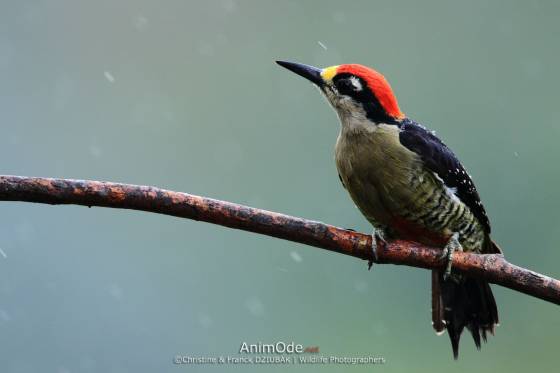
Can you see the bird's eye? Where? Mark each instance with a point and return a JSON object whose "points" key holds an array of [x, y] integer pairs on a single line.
{"points": [[344, 85], [348, 85]]}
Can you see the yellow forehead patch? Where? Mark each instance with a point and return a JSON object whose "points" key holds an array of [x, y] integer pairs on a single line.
{"points": [[328, 73]]}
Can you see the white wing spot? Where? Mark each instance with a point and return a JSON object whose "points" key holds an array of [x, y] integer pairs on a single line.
{"points": [[110, 78]]}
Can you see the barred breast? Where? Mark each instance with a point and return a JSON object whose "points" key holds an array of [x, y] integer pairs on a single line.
{"points": [[436, 208], [393, 190]]}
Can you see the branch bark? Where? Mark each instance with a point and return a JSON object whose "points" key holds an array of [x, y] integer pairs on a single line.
{"points": [[493, 268]]}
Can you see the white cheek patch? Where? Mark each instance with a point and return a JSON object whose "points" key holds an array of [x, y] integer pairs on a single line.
{"points": [[356, 83]]}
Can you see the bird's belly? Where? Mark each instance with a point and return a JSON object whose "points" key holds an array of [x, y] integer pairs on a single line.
{"points": [[424, 213], [376, 172], [392, 190], [434, 214], [367, 198]]}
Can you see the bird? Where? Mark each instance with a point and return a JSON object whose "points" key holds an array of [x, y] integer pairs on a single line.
{"points": [[409, 185]]}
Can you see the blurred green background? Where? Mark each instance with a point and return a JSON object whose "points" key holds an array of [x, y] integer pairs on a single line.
{"points": [[185, 95]]}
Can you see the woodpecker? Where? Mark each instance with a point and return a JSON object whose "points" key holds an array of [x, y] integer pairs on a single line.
{"points": [[409, 185]]}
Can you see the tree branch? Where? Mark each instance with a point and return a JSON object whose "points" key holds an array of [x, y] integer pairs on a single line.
{"points": [[493, 268]]}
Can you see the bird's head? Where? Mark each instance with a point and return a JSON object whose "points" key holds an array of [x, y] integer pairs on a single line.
{"points": [[353, 90]]}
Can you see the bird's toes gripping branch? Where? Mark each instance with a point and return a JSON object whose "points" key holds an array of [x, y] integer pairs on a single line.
{"points": [[378, 234], [452, 245]]}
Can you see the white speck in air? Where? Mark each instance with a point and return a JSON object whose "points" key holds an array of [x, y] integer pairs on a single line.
{"points": [[205, 321], [255, 306], [3, 253], [140, 22], [339, 17], [95, 151], [322, 45], [116, 291], [206, 49], [296, 257], [110, 78], [516, 154], [380, 328], [229, 5], [361, 286], [4, 316]]}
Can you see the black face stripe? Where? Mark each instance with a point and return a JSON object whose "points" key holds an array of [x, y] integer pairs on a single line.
{"points": [[365, 97]]}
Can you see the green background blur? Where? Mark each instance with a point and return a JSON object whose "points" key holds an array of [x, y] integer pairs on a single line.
{"points": [[186, 96]]}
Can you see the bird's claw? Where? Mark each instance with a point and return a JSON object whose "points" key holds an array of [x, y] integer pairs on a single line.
{"points": [[452, 245], [377, 235]]}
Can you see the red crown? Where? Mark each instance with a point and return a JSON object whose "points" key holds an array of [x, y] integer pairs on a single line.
{"points": [[378, 85]]}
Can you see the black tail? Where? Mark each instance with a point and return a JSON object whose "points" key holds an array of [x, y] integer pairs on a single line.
{"points": [[468, 303]]}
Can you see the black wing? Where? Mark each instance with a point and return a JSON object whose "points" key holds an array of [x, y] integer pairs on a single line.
{"points": [[441, 160]]}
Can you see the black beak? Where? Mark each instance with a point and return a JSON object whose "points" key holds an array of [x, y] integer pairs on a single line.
{"points": [[310, 73]]}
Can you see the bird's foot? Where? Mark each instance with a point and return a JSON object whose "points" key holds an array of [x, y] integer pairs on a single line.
{"points": [[378, 234], [452, 245]]}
